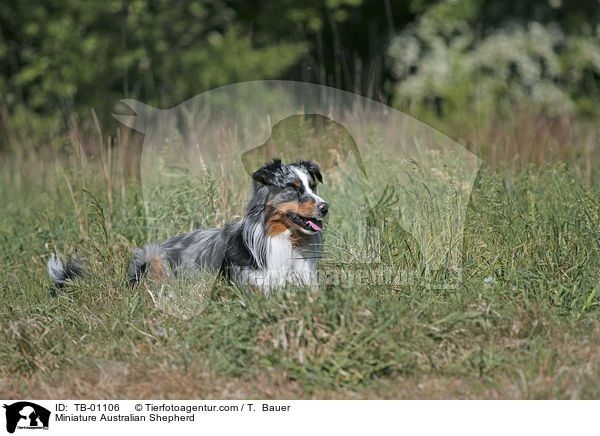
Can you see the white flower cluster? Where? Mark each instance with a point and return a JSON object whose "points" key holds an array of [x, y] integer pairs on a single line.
{"points": [[536, 64]]}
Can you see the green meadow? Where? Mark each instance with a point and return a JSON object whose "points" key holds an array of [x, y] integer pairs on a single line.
{"points": [[523, 323]]}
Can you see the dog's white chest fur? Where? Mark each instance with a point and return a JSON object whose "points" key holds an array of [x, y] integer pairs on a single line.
{"points": [[283, 263], [287, 264], [279, 252]]}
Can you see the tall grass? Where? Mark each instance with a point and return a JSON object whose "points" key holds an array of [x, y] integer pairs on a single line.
{"points": [[524, 323]]}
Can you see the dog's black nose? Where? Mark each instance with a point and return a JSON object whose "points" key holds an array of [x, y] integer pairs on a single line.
{"points": [[324, 208]]}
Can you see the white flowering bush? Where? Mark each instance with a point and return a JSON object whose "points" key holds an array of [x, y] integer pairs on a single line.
{"points": [[448, 64]]}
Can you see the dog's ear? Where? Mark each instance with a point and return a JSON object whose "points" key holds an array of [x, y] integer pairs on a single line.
{"points": [[270, 174], [313, 169]]}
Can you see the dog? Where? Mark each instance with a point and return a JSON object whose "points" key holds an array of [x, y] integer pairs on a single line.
{"points": [[278, 240]]}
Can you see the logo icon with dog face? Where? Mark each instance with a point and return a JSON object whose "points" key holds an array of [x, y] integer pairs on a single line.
{"points": [[26, 415]]}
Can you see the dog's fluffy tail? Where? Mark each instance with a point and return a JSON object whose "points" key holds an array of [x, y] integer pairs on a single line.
{"points": [[150, 260], [61, 272]]}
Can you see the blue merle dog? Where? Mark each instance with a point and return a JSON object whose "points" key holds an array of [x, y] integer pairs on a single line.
{"points": [[277, 241]]}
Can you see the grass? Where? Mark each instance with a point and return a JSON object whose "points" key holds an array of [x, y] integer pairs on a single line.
{"points": [[524, 323]]}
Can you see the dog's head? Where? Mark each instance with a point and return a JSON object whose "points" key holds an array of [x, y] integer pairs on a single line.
{"points": [[292, 200]]}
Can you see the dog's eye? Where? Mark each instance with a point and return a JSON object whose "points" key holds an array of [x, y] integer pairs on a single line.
{"points": [[295, 186]]}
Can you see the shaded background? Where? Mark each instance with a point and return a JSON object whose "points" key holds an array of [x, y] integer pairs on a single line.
{"points": [[460, 65]]}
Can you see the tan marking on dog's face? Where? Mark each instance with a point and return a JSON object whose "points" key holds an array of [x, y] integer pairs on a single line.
{"points": [[277, 225], [278, 221], [307, 209]]}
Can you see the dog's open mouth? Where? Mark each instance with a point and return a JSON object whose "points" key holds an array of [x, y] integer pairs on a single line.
{"points": [[312, 224]]}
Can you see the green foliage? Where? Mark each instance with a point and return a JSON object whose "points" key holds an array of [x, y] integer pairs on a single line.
{"points": [[459, 57], [61, 58], [88, 54]]}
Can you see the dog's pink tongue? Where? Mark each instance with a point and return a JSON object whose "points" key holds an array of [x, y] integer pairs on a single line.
{"points": [[314, 226]]}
